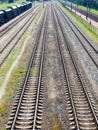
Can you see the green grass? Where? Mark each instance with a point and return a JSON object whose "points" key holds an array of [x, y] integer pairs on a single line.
{"points": [[12, 86], [6, 67], [34, 71], [84, 8], [12, 57], [5, 5], [84, 26], [16, 75]]}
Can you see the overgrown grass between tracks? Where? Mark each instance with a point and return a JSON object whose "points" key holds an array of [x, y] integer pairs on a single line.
{"points": [[89, 30]]}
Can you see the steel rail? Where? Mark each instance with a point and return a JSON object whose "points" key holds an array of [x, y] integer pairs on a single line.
{"points": [[65, 71], [84, 36], [15, 21], [78, 73], [96, 51], [28, 73], [41, 69], [18, 38], [82, 83], [16, 34]]}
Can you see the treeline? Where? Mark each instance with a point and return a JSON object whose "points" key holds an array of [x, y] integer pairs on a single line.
{"points": [[6, 1], [2, 1], [86, 3]]}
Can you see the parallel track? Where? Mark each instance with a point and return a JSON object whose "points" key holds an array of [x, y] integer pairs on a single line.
{"points": [[82, 115], [27, 110], [28, 106], [15, 21], [8, 47], [83, 40]]}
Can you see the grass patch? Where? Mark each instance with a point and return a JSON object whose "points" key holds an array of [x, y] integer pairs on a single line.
{"points": [[13, 85], [34, 71], [8, 63], [15, 77], [4, 69], [89, 30], [2, 108], [50, 114], [11, 58], [22, 71], [54, 123], [37, 17]]}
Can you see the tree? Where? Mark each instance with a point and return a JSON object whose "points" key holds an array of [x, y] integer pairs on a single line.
{"points": [[89, 3]]}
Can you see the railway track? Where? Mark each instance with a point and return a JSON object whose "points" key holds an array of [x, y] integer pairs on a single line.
{"points": [[8, 46], [28, 107], [89, 47], [82, 111], [15, 21]]}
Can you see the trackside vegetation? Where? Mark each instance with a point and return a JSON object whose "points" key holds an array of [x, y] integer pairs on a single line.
{"points": [[92, 4], [88, 29], [92, 10], [17, 75]]}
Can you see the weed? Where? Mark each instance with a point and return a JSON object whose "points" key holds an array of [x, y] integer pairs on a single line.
{"points": [[54, 123], [2, 108], [34, 70]]}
